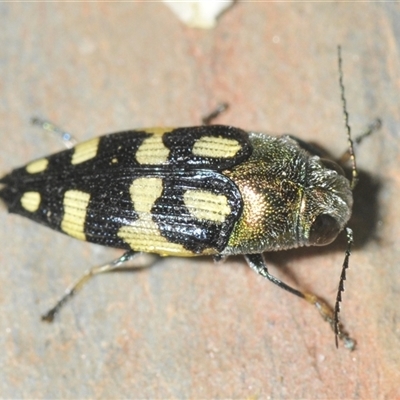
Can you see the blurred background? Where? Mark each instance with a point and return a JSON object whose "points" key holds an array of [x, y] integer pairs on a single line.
{"points": [[190, 327]]}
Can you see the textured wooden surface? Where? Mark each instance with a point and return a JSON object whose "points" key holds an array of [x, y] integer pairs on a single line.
{"points": [[190, 328]]}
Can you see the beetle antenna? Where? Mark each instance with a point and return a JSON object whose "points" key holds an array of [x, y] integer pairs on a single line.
{"points": [[354, 173], [349, 232], [337, 324]]}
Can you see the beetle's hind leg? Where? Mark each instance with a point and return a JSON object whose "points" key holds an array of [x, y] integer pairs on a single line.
{"points": [[64, 136], [100, 269]]}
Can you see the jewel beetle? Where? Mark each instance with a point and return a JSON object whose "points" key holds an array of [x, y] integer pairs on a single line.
{"points": [[205, 190]]}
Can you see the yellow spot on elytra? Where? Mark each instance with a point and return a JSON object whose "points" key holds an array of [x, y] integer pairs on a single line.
{"points": [[37, 166], [85, 151], [216, 147], [144, 192], [143, 234], [75, 209], [152, 151], [157, 130], [31, 201], [205, 205]]}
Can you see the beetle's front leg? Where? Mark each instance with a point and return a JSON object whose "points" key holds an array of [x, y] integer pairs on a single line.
{"points": [[257, 263]]}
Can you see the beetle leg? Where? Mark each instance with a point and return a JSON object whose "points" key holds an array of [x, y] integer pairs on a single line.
{"points": [[214, 114], [257, 263], [373, 127], [100, 269], [65, 137]]}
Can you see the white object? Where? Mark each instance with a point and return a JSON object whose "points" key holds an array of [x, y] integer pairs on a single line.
{"points": [[200, 13]]}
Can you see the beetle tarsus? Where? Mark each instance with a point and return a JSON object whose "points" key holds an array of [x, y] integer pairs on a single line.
{"points": [[222, 107], [111, 266]]}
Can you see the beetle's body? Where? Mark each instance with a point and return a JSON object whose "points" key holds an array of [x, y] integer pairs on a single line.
{"points": [[206, 190], [188, 191]]}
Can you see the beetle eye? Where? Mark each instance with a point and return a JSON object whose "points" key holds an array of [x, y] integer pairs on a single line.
{"points": [[332, 165], [323, 230]]}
